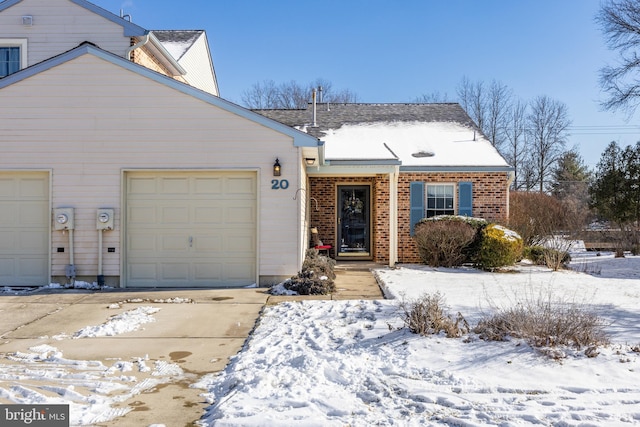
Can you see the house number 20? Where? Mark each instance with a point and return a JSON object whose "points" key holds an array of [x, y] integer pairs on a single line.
{"points": [[279, 184]]}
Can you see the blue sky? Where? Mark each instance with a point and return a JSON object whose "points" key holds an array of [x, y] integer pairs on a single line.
{"points": [[397, 50]]}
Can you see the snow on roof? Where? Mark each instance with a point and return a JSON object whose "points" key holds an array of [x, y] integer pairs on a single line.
{"points": [[413, 143], [177, 42]]}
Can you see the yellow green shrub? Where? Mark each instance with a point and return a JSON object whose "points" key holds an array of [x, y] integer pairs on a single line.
{"points": [[499, 247]]}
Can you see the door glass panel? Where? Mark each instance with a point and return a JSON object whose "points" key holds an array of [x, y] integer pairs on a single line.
{"points": [[353, 221]]}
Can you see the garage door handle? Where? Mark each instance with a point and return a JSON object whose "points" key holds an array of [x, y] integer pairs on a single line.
{"points": [[190, 241]]}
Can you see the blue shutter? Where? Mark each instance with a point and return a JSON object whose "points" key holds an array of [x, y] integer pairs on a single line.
{"points": [[416, 197], [465, 198]]}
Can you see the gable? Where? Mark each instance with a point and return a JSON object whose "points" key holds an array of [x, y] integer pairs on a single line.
{"points": [[121, 87]]}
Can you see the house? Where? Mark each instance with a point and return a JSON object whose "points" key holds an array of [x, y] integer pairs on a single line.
{"points": [[386, 166], [119, 163]]}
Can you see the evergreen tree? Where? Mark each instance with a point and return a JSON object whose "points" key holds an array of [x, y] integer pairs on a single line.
{"points": [[570, 177], [608, 189]]}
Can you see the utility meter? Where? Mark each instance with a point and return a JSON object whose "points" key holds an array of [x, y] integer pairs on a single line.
{"points": [[104, 219], [63, 219]]}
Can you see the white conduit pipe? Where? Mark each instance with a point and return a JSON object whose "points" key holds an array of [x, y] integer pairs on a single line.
{"points": [[71, 247], [100, 252]]}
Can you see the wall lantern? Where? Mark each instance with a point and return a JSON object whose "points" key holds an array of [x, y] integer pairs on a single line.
{"points": [[276, 168], [310, 161]]}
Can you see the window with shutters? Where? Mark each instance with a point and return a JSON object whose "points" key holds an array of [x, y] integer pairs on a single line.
{"points": [[439, 200]]}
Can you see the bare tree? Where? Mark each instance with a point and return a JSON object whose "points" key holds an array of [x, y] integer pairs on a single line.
{"points": [[261, 95], [498, 101], [434, 97], [473, 100], [620, 24], [292, 95], [548, 120], [515, 147]]}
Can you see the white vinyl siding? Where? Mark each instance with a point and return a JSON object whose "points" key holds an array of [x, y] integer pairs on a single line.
{"points": [[59, 26], [197, 63], [24, 228], [92, 120]]}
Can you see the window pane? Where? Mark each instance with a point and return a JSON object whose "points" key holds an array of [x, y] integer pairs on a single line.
{"points": [[9, 60]]}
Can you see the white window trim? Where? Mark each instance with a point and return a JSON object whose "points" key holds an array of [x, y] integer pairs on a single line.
{"points": [[22, 44], [426, 195]]}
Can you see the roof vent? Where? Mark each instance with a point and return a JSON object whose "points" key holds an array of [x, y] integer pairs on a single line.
{"points": [[423, 153]]}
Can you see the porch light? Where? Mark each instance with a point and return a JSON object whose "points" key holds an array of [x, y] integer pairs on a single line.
{"points": [[310, 161], [276, 168]]}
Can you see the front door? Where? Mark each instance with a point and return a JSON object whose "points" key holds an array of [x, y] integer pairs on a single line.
{"points": [[354, 237]]}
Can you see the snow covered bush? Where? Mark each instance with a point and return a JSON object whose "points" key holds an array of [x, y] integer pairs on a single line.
{"points": [[499, 247], [316, 276], [427, 316], [447, 241]]}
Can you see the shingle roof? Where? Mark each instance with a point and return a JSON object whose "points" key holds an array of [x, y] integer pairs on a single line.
{"points": [[177, 42], [334, 116]]}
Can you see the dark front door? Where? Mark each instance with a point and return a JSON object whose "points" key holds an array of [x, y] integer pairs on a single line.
{"points": [[354, 239]]}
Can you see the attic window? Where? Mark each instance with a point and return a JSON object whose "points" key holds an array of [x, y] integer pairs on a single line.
{"points": [[423, 153]]}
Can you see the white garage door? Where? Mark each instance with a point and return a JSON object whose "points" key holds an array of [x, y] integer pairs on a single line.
{"points": [[24, 229], [191, 229]]}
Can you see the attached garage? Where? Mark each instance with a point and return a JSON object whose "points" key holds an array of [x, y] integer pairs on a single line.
{"points": [[190, 228], [24, 228]]}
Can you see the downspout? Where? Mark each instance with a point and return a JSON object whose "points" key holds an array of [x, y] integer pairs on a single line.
{"points": [[144, 41], [393, 216]]}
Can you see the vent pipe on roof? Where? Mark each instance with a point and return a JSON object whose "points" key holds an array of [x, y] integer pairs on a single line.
{"points": [[314, 106], [125, 17]]}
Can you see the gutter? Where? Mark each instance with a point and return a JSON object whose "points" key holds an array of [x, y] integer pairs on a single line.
{"points": [[161, 53]]}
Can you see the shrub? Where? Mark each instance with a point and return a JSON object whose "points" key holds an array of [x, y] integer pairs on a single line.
{"points": [[535, 216], [549, 257], [316, 276], [545, 323], [446, 241], [427, 316], [499, 247]]}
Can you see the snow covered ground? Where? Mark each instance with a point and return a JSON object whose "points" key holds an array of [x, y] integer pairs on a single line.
{"points": [[338, 363]]}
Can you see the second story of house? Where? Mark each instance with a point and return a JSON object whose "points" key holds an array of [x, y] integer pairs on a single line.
{"points": [[32, 31]]}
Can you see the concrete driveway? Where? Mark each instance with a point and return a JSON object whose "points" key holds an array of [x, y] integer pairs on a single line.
{"points": [[198, 330]]}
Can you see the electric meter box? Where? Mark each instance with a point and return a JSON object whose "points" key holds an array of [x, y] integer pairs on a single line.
{"points": [[104, 219], [63, 219]]}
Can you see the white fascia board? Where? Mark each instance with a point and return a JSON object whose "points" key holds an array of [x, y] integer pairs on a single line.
{"points": [[371, 170], [456, 169], [300, 139], [163, 54]]}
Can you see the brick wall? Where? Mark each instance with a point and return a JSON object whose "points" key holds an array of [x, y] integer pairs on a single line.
{"points": [[490, 201], [324, 190]]}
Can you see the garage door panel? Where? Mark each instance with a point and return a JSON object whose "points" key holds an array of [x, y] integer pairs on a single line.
{"points": [[211, 244], [24, 228], [208, 186], [176, 243], [141, 186], [203, 221], [208, 215], [142, 271], [208, 271], [174, 186], [33, 214], [142, 215], [175, 271], [174, 215], [9, 213], [31, 241], [7, 241], [35, 188], [240, 186]]}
